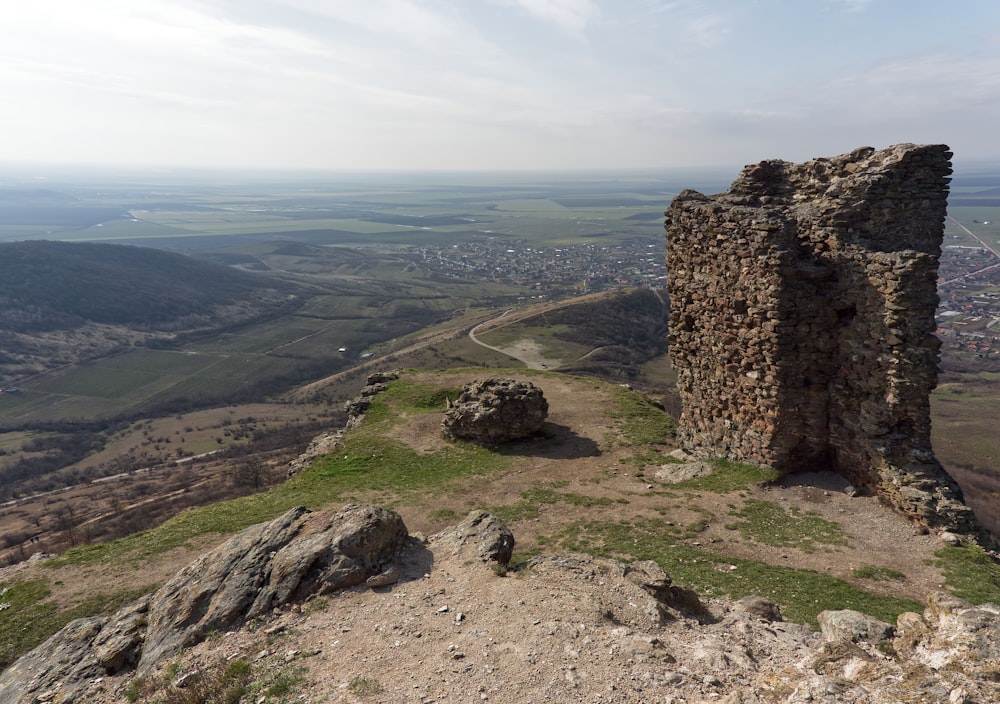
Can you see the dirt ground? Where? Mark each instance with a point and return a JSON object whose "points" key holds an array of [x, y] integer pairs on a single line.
{"points": [[453, 631], [579, 452], [580, 456]]}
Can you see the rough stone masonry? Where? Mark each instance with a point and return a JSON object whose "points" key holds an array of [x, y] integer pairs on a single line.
{"points": [[802, 325]]}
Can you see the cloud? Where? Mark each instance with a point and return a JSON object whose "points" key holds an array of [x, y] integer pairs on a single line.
{"points": [[853, 5], [931, 83], [709, 30], [571, 16]]}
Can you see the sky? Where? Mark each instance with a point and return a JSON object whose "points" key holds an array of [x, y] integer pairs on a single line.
{"points": [[492, 84]]}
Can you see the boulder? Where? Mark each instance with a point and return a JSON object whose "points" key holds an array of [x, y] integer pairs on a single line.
{"points": [[495, 411], [853, 626], [757, 607], [118, 645], [481, 535], [650, 576]]}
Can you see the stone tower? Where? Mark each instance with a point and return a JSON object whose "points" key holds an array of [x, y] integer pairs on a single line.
{"points": [[802, 321]]}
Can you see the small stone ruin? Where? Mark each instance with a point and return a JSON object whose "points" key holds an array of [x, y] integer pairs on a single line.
{"points": [[496, 411], [802, 307]]}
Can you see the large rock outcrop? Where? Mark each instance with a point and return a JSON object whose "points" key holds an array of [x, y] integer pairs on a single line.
{"points": [[565, 629], [495, 411], [297, 555], [802, 321]]}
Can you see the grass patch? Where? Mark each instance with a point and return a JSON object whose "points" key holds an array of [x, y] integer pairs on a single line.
{"points": [[971, 573], [651, 458], [768, 523], [442, 514], [512, 513], [413, 396], [639, 420], [533, 499], [695, 528], [802, 594], [365, 687], [368, 461], [730, 476], [284, 683], [878, 574], [30, 617]]}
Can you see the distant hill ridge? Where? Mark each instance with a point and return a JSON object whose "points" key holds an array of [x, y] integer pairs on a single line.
{"points": [[46, 285]]}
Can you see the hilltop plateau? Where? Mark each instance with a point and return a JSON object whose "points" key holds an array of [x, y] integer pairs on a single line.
{"points": [[635, 576], [598, 484]]}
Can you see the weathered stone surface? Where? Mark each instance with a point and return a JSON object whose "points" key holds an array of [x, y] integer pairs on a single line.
{"points": [[494, 411], [62, 666], [757, 607], [853, 626], [289, 559], [650, 576], [682, 471], [118, 645], [481, 535], [293, 557], [802, 325]]}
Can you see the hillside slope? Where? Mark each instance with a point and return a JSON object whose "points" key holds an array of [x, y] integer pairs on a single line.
{"points": [[62, 302], [49, 285], [589, 485]]}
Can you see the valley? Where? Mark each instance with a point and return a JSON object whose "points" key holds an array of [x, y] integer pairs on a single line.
{"points": [[110, 429]]}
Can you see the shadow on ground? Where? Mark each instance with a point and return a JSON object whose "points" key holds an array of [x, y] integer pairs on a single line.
{"points": [[556, 442]]}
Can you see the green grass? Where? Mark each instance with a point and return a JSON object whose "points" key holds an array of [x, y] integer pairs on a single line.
{"points": [[413, 396], [971, 573], [284, 684], [878, 574], [369, 461], [639, 420], [442, 515], [729, 476], [768, 523], [32, 617], [531, 501], [802, 594]]}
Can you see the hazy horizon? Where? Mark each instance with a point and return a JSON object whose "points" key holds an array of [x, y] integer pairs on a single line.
{"points": [[492, 85]]}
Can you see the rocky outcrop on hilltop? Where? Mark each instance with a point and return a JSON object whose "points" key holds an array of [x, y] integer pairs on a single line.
{"points": [[298, 555], [356, 408], [435, 620], [495, 411]]}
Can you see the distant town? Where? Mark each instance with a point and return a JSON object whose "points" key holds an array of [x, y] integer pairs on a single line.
{"points": [[968, 315], [553, 271], [969, 312]]}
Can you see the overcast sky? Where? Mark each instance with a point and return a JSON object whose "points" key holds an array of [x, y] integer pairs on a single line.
{"points": [[492, 84]]}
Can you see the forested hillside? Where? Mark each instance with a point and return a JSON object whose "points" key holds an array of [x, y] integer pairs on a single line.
{"points": [[56, 285]]}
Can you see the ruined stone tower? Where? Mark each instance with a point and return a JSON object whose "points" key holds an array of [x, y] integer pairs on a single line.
{"points": [[802, 321]]}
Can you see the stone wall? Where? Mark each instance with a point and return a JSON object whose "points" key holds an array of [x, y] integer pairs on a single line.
{"points": [[802, 321]]}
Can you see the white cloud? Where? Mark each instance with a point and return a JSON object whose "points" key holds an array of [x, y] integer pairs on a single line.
{"points": [[571, 16], [931, 84], [709, 30], [853, 5]]}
